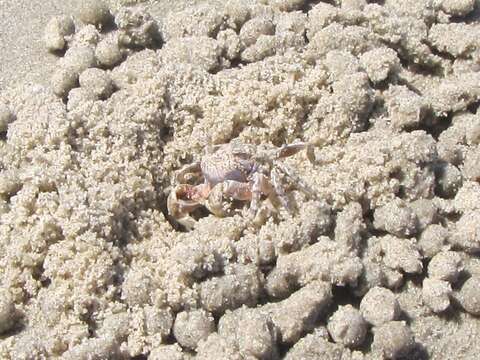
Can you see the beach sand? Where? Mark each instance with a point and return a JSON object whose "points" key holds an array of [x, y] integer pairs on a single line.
{"points": [[364, 245], [23, 57]]}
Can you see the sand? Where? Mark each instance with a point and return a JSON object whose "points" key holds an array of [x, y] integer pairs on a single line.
{"points": [[23, 57], [362, 245]]}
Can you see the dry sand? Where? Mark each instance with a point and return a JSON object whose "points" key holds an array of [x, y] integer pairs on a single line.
{"points": [[22, 52], [378, 260], [23, 55]]}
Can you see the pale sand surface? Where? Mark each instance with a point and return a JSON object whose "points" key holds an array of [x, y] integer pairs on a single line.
{"points": [[92, 263], [22, 54], [23, 57]]}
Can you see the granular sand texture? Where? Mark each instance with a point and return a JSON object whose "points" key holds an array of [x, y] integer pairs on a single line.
{"points": [[381, 262]]}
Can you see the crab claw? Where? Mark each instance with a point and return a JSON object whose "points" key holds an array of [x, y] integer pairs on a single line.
{"points": [[215, 203], [180, 203], [188, 172]]}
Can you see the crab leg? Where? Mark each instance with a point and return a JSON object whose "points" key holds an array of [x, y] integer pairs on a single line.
{"points": [[292, 149], [297, 181], [280, 191], [260, 186]]}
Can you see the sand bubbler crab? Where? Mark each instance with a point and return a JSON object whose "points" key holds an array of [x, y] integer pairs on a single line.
{"points": [[237, 172]]}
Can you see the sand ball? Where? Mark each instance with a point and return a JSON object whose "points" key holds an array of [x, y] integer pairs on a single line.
{"points": [[393, 339], [94, 12], [97, 81], [63, 80], [432, 240], [79, 58], [446, 265], [108, 51], [467, 234], [56, 30], [191, 327], [79, 96], [448, 180], [347, 326], [469, 296], [379, 305], [255, 27], [436, 294]]}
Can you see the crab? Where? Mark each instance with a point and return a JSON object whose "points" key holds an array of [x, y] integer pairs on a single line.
{"points": [[236, 171]]}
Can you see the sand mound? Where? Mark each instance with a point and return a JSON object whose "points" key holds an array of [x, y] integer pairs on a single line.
{"points": [[381, 263]]}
